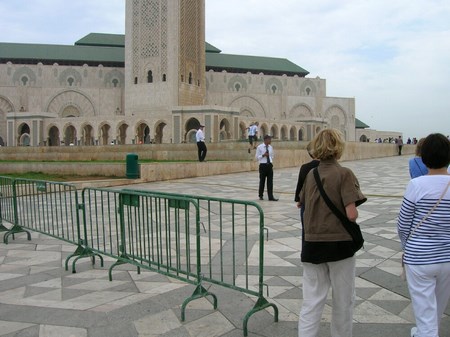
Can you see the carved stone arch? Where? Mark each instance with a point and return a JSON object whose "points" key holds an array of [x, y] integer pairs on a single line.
{"points": [[24, 71], [284, 133], [263, 130], [104, 133], [87, 134], [337, 117], [142, 132], [300, 111], [121, 132], [67, 74], [237, 83], [69, 134], [6, 105], [190, 128], [225, 129], [114, 78], [53, 135], [63, 99], [274, 86], [251, 104], [308, 88], [242, 130], [274, 132], [159, 131], [292, 133]]}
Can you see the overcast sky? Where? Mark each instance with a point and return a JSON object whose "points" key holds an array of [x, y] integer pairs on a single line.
{"points": [[392, 56]]}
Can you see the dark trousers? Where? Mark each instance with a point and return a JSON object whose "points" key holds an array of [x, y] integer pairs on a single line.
{"points": [[266, 172], [201, 151]]}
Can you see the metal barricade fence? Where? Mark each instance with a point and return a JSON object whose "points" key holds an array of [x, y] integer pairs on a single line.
{"points": [[191, 238], [153, 231], [7, 200], [231, 246]]}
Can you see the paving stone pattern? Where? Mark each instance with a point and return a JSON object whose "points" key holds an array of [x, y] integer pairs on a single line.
{"points": [[39, 298]]}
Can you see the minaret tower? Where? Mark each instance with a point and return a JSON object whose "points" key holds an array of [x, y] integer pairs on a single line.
{"points": [[164, 55]]}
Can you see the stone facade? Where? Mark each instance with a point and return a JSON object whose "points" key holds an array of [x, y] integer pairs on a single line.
{"points": [[162, 94]]}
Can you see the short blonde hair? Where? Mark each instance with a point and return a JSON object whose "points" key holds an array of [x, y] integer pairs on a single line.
{"points": [[328, 144]]}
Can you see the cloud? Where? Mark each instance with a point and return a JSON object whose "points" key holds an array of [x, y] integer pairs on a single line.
{"points": [[392, 56]]}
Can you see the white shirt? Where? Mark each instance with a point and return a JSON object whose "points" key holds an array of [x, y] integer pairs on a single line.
{"points": [[200, 136], [260, 150], [253, 130]]}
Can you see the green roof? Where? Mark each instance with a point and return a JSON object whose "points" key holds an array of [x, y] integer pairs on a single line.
{"points": [[104, 40], [253, 64], [61, 54], [360, 125], [209, 48], [108, 49]]}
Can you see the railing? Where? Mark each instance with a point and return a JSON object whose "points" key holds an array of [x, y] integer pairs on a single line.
{"points": [[231, 246], [192, 238]]}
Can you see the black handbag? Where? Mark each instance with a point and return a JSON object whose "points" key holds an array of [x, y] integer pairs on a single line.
{"points": [[351, 227]]}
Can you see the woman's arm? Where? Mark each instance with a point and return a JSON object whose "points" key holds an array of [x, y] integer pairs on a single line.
{"points": [[351, 212]]}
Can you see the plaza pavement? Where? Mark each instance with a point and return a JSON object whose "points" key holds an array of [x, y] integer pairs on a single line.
{"points": [[39, 298]]}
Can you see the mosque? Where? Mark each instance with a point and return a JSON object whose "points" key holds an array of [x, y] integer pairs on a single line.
{"points": [[157, 84]]}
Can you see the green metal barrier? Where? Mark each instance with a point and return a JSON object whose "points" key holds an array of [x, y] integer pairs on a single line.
{"points": [[7, 202], [155, 232], [49, 208], [231, 247]]}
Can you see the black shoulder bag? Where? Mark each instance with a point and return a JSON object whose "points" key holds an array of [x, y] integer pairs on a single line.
{"points": [[351, 227]]}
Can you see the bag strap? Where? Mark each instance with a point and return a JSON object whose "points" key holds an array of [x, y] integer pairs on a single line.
{"points": [[429, 212], [329, 203]]}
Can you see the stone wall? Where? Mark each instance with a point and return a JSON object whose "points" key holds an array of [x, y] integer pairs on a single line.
{"points": [[222, 158]]}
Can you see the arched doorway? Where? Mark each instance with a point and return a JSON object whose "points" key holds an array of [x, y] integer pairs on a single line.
{"points": [[53, 136], [104, 134], [143, 134], [159, 133], [87, 135], [70, 135], [191, 128], [292, 133], [24, 135], [122, 134], [224, 130]]}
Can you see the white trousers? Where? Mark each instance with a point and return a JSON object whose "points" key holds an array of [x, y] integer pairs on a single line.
{"points": [[429, 287], [317, 279]]}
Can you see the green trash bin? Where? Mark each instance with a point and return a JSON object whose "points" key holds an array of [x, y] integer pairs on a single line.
{"points": [[132, 169]]}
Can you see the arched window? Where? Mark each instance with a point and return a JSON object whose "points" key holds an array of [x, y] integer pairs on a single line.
{"points": [[308, 91], [190, 78], [164, 78], [149, 77], [24, 80], [237, 86], [70, 81], [274, 89], [115, 83], [135, 80]]}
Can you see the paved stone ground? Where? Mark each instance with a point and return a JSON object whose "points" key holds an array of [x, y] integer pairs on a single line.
{"points": [[39, 298]]}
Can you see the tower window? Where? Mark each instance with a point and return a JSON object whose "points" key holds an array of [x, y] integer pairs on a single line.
{"points": [[190, 78], [274, 89], [24, 80], [135, 80], [308, 91], [149, 77], [70, 81], [115, 82], [164, 78]]}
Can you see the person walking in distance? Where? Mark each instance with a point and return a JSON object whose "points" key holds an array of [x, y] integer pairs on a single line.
{"points": [[264, 154], [399, 145], [200, 137], [252, 135]]}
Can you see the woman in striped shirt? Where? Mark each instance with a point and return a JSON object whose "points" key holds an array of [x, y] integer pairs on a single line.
{"points": [[424, 231]]}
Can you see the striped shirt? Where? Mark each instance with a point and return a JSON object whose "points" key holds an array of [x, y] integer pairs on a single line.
{"points": [[430, 242]]}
